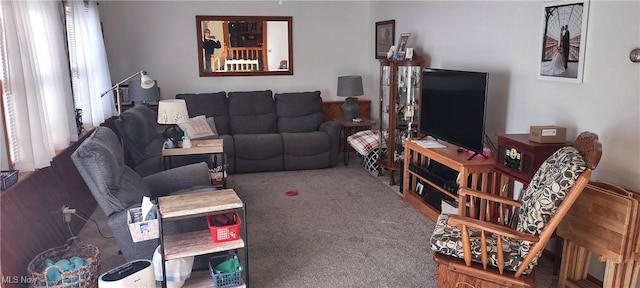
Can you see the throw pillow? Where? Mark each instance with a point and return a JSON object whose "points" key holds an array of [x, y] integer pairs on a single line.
{"points": [[212, 124], [197, 127]]}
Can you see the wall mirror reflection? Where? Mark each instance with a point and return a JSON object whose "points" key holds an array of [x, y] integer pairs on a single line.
{"points": [[244, 45]]}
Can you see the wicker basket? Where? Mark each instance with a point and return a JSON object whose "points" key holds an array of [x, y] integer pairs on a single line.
{"points": [[85, 276]]}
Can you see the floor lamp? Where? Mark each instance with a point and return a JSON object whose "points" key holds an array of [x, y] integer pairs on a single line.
{"points": [[145, 82]]}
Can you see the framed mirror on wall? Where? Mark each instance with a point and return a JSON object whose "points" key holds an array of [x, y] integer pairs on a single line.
{"points": [[244, 45]]}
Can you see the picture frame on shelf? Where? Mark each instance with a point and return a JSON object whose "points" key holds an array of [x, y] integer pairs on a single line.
{"points": [[385, 36], [402, 46], [563, 40]]}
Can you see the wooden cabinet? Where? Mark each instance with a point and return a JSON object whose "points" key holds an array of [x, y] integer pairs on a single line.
{"points": [[400, 96], [431, 167], [520, 158]]}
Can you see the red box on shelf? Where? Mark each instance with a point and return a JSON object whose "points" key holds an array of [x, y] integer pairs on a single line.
{"points": [[224, 233]]}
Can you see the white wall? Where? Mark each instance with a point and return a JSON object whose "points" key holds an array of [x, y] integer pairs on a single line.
{"points": [[277, 49], [503, 38], [329, 39]]}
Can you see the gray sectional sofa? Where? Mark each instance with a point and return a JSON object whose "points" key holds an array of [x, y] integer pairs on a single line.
{"points": [[266, 132]]}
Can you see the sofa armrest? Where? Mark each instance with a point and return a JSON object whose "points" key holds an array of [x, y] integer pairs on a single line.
{"points": [[332, 128], [183, 177]]}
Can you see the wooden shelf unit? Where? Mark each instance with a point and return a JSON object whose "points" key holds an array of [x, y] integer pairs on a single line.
{"points": [[200, 204], [474, 173], [200, 146]]}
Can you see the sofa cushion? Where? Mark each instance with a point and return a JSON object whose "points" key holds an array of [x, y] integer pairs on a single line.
{"points": [[211, 105], [258, 152], [137, 127], [548, 188], [309, 150], [252, 112], [299, 112]]}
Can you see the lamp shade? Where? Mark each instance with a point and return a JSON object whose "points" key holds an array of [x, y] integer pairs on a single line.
{"points": [[137, 93], [145, 81], [172, 111], [350, 86]]}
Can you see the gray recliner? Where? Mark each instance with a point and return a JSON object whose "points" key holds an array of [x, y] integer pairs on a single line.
{"points": [[143, 143], [117, 188]]}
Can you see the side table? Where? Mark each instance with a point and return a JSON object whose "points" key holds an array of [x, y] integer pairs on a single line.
{"points": [[200, 204], [208, 146], [349, 128]]}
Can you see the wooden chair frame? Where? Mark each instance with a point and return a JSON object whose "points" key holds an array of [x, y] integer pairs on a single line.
{"points": [[482, 207]]}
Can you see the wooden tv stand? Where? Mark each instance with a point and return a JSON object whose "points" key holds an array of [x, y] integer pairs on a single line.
{"points": [[474, 173]]}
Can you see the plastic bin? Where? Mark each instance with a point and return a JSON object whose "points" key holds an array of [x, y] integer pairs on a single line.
{"points": [[223, 280], [8, 178], [224, 233]]}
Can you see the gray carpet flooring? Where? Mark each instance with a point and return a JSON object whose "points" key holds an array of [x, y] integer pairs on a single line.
{"points": [[345, 228]]}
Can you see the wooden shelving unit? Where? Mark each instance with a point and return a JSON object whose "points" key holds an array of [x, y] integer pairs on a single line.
{"points": [[200, 146], [474, 173], [200, 204]]}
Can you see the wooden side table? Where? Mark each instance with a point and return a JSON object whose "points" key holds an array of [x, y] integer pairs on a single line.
{"points": [[348, 129], [520, 158], [200, 204], [208, 146]]}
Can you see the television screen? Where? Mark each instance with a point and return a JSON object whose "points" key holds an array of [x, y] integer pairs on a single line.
{"points": [[453, 107]]}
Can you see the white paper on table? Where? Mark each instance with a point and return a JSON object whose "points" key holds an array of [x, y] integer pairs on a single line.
{"points": [[429, 143]]}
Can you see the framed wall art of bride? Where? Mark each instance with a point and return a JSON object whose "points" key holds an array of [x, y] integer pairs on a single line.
{"points": [[564, 31]]}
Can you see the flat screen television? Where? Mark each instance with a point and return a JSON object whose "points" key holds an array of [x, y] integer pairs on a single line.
{"points": [[453, 107]]}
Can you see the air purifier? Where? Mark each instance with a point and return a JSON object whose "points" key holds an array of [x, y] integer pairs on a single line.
{"points": [[137, 273]]}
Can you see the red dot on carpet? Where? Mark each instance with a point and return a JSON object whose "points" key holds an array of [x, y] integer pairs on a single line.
{"points": [[291, 193]]}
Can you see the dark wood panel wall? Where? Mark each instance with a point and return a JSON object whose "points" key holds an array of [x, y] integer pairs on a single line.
{"points": [[333, 109], [30, 213]]}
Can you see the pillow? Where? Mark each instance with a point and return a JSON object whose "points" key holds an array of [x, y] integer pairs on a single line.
{"points": [[212, 124], [197, 127]]}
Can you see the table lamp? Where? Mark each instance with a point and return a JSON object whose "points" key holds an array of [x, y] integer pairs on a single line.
{"points": [[138, 94], [350, 87], [145, 83], [172, 112]]}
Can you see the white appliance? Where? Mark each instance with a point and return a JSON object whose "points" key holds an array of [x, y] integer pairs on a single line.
{"points": [[135, 274]]}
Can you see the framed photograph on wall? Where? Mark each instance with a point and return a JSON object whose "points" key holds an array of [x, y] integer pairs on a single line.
{"points": [[385, 35], [564, 31]]}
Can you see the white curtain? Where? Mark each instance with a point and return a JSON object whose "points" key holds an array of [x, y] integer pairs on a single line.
{"points": [[89, 67], [39, 106]]}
